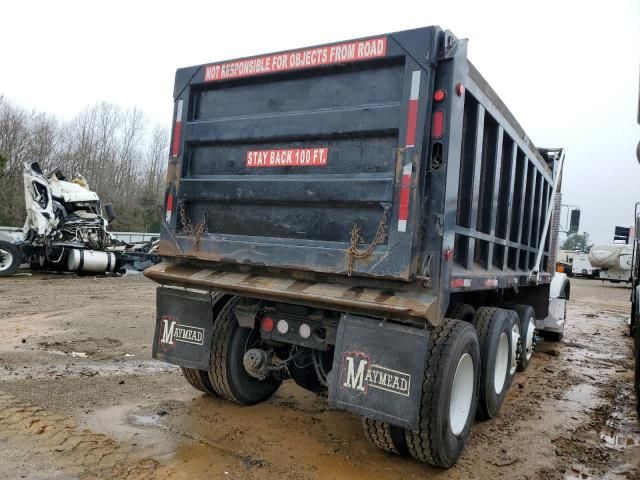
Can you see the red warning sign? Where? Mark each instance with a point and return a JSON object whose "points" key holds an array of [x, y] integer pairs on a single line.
{"points": [[288, 157], [311, 57]]}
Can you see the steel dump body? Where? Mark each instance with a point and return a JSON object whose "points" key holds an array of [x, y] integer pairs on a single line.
{"points": [[285, 168]]}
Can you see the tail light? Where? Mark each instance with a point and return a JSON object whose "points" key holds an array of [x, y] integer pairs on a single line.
{"points": [[437, 124], [267, 324]]}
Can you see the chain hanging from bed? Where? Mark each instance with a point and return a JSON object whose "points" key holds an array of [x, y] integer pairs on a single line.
{"points": [[193, 230], [356, 237]]}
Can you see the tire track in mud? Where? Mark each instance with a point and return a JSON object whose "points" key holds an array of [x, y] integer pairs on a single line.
{"points": [[55, 440]]}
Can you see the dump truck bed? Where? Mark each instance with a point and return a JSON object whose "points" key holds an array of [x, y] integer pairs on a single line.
{"points": [[385, 163], [285, 157]]}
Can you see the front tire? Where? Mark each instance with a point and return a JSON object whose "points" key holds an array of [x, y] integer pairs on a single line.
{"points": [[228, 376], [449, 395], [494, 335], [10, 258]]}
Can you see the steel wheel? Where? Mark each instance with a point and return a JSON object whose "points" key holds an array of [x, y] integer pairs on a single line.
{"points": [[515, 339], [461, 394], [502, 364], [6, 259]]}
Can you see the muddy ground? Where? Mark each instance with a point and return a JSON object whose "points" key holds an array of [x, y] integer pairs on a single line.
{"points": [[80, 397]]}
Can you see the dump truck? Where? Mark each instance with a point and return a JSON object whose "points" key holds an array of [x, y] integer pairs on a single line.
{"points": [[367, 219]]}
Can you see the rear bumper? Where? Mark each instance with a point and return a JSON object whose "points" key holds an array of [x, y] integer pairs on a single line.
{"points": [[403, 305]]}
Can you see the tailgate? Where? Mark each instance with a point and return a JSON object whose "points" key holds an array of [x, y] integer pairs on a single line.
{"points": [[307, 159]]}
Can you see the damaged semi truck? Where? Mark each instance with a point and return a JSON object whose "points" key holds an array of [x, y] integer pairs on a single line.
{"points": [[66, 230], [368, 219]]}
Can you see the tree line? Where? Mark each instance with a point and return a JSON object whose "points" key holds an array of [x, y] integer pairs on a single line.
{"points": [[120, 154]]}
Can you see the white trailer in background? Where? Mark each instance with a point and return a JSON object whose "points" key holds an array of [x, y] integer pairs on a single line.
{"points": [[614, 261], [581, 266]]}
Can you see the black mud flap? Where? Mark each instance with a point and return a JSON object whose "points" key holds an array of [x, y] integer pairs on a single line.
{"points": [[184, 327], [378, 369]]}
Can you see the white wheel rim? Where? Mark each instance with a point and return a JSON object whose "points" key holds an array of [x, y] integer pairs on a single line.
{"points": [[461, 394], [6, 259], [515, 338], [501, 364], [529, 340]]}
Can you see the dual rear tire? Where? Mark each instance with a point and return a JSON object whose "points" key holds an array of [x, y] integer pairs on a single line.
{"points": [[448, 401], [495, 335], [449, 395], [469, 368], [227, 376]]}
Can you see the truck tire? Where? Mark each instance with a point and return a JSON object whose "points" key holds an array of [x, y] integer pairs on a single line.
{"points": [[199, 379], [516, 337], [461, 311], [449, 394], [527, 317], [228, 376], [385, 436], [494, 335], [637, 372], [10, 258]]}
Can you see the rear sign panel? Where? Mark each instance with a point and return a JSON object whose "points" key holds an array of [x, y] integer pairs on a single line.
{"points": [[310, 57], [288, 157]]}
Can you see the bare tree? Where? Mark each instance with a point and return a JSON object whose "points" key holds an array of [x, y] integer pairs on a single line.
{"points": [[111, 147]]}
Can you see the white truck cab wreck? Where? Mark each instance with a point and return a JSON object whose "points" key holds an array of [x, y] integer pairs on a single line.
{"points": [[65, 228]]}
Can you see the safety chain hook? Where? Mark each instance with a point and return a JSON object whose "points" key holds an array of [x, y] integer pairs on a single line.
{"points": [[356, 237]]}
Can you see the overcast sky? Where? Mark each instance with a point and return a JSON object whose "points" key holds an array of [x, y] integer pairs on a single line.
{"points": [[567, 70]]}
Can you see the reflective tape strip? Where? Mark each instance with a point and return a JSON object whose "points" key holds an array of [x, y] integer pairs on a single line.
{"points": [[412, 109], [415, 85], [405, 196], [169, 208], [460, 282], [177, 130]]}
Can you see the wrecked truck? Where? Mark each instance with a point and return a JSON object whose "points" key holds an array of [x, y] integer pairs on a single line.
{"points": [[66, 229], [367, 219]]}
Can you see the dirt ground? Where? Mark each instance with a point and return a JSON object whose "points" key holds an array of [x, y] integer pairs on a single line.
{"points": [[80, 397]]}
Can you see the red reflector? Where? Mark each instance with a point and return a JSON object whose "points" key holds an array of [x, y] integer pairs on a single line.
{"points": [[439, 95], [267, 324], [437, 125], [169, 202]]}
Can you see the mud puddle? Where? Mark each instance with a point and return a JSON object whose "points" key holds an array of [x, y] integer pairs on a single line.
{"points": [[82, 367]]}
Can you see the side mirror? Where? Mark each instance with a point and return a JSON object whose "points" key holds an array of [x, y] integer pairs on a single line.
{"points": [[574, 224], [109, 212]]}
